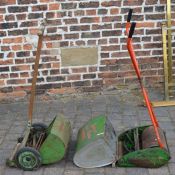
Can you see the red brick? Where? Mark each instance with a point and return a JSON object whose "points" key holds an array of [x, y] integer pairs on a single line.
{"points": [[20, 68], [110, 48], [111, 18], [71, 36], [117, 81], [61, 91], [91, 12], [119, 54], [10, 17], [54, 6], [79, 70], [145, 24], [151, 2], [91, 4], [133, 2], [7, 2], [102, 41], [14, 75], [92, 69], [24, 74], [16, 47], [79, 13], [6, 62], [90, 20], [80, 43], [109, 62], [12, 40], [108, 75], [5, 48], [39, 8], [33, 31], [49, 45], [114, 11], [111, 3], [55, 65], [27, 47], [1, 18], [16, 81], [81, 83], [2, 82], [10, 55], [21, 16], [71, 21], [74, 77]]}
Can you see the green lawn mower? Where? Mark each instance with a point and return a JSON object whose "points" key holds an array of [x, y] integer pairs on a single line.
{"points": [[40, 144], [143, 146]]}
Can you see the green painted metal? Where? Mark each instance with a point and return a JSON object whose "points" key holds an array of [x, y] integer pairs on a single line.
{"points": [[151, 157], [96, 144], [147, 158], [56, 143], [27, 159], [91, 131]]}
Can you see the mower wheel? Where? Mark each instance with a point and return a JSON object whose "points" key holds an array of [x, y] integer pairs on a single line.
{"points": [[28, 159], [39, 126]]}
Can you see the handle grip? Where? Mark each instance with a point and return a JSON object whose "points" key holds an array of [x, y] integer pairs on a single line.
{"points": [[131, 31], [129, 15]]}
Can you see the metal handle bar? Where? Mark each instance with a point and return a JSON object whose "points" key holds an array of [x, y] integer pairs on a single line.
{"points": [[136, 67], [132, 28], [129, 15]]}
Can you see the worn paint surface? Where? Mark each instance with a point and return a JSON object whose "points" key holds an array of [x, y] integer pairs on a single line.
{"points": [[150, 156], [94, 129], [96, 144], [147, 158], [58, 135]]}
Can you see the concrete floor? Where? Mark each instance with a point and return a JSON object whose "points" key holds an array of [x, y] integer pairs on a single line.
{"points": [[121, 106]]}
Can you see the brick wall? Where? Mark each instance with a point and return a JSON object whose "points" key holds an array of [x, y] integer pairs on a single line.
{"points": [[76, 24]]}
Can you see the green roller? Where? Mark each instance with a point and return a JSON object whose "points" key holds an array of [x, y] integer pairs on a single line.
{"points": [[56, 143]]}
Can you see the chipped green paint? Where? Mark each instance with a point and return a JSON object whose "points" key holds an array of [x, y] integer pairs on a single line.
{"points": [[147, 158], [152, 157], [91, 131], [96, 144], [55, 145]]}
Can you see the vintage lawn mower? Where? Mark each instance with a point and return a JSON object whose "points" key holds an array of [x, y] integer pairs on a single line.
{"points": [[40, 144], [143, 146]]}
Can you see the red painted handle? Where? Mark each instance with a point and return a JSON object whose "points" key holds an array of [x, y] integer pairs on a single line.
{"points": [[136, 67]]}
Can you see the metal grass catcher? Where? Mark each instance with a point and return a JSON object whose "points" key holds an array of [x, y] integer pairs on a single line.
{"points": [[144, 146], [41, 144]]}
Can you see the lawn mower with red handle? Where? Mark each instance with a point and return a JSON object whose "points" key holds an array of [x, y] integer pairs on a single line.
{"points": [[143, 146]]}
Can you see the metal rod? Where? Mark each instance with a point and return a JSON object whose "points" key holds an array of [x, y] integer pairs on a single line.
{"points": [[169, 41], [165, 62]]}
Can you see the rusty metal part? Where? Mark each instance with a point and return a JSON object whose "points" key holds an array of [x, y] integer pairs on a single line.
{"points": [[149, 138], [40, 140], [120, 150]]}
